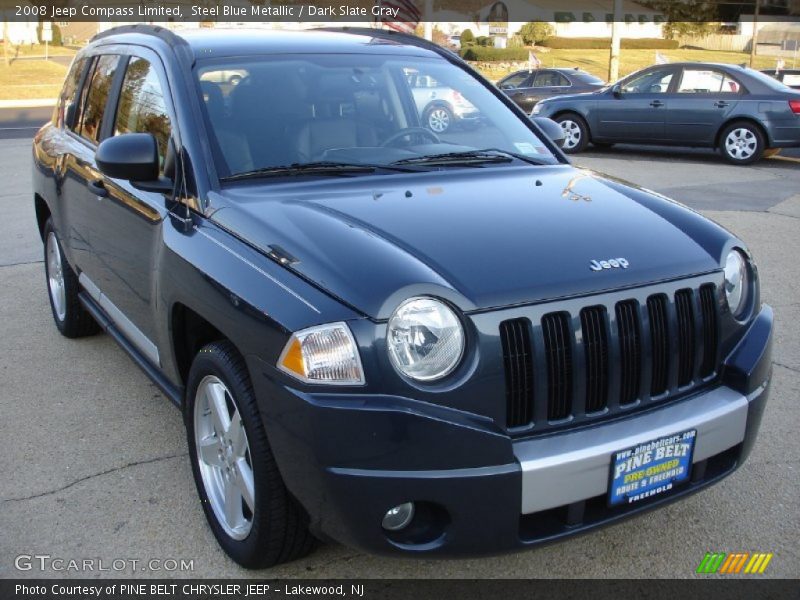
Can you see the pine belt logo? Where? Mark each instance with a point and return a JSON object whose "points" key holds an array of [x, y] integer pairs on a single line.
{"points": [[734, 564]]}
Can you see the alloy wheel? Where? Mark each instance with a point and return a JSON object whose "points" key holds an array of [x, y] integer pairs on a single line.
{"points": [[223, 455], [439, 120], [572, 133], [55, 277]]}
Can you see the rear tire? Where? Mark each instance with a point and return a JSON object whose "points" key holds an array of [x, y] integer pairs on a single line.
{"points": [[72, 320], [576, 131], [251, 513], [741, 143]]}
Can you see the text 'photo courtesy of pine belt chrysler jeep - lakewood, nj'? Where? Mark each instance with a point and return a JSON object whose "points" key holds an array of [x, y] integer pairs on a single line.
{"points": [[409, 341]]}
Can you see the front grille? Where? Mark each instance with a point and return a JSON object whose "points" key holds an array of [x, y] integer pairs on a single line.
{"points": [[605, 358]]}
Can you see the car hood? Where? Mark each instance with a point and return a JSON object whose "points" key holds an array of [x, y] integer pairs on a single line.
{"points": [[480, 238]]}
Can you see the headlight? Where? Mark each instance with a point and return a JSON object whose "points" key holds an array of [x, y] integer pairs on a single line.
{"points": [[425, 339], [323, 354], [537, 109], [736, 282]]}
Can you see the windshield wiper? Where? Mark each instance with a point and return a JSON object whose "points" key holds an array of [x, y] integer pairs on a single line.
{"points": [[468, 157], [314, 168]]}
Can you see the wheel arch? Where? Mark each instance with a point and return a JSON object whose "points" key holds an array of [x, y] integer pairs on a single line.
{"points": [[190, 331], [42, 213], [743, 119]]}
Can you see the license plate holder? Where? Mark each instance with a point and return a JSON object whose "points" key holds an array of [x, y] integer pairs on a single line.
{"points": [[651, 468]]}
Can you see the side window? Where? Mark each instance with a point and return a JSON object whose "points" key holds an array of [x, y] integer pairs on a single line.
{"points": [[515, 81], [550, 79], [99, 87], [69, 93], [652, 82], [142, 108], [707, 81]]}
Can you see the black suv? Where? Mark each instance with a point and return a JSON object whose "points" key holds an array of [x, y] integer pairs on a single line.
{"points": [[411, 342]]}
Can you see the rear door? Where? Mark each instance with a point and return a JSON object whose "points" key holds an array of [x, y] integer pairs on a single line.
{"points": [[700, 104], [638, 113], [547, 83], [81, 183]]}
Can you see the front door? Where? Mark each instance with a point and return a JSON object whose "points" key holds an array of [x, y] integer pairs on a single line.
{"points": [[130, 221], [637, 113]]}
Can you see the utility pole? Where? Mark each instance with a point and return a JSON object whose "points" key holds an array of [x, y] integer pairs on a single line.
{"points": [[754, 41], [616, 24], [427, 16]]}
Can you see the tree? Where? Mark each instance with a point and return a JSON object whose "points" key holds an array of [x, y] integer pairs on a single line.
{"points": [[467, 37], [535, 31], [686, 17]]}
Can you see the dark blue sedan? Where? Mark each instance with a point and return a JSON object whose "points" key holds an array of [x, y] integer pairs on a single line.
{"points": [[740, 111]]}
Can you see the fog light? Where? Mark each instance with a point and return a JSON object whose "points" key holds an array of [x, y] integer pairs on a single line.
{"points": [[398, 517]]}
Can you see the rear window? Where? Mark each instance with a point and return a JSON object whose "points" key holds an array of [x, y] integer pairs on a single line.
{"points": [[70, 91]]}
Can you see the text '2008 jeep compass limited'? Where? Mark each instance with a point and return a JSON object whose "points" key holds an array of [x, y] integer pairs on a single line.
{"points": [[409, 341]]}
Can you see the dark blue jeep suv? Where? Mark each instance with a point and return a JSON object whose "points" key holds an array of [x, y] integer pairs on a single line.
{"points": [[409, 341]]}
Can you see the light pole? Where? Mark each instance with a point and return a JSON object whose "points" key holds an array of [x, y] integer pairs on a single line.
{"points": [[613, 62]]}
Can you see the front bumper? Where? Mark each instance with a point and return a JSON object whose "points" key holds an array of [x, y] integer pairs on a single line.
{"points": [[349, 458]]}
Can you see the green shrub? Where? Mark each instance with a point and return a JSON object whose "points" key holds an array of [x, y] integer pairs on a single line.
{"points": [[535, 31], [467, 37], [490, 53], [605, 43], [515, 41], [484, 40]]}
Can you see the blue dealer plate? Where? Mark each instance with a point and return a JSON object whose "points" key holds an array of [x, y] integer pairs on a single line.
{"points": [[651, 468]]}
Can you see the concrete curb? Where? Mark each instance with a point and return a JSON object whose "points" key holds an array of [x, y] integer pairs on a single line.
{"points": [[33, 103]]}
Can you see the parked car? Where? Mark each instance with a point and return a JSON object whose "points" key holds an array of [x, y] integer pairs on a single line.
{"points": [[740, 111], [441, 107], [410, 345], [527, 87], [789, 77]]}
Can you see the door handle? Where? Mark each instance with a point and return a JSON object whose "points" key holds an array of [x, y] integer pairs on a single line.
{"points": [[656, 103], [98, 188], [721, 104]]}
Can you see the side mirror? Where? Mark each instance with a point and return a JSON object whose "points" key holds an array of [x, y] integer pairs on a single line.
{"points": [[552, 130], [133, 157], [616, 90]]}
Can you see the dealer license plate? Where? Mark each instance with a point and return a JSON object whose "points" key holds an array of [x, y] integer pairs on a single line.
{"points": [[651, 468]]}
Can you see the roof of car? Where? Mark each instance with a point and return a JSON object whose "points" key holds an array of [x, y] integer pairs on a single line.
{"points": [[214, 42]]}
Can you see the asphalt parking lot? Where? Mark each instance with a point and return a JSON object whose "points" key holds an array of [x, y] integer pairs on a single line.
{"points": [[94, 458]]}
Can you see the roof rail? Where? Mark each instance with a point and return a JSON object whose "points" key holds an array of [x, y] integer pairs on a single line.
{"points": [[170, 37], [389, 34]]}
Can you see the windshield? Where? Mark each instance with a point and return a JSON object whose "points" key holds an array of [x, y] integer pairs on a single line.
{"points": [[268, 114]]}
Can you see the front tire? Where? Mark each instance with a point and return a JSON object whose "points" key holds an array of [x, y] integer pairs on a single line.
{"points": [[742, 143], [576, 132], [71, 318], [438, 119], [251, 513]]}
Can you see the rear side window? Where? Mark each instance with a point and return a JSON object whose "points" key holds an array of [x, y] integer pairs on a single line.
{"points": [[142, 108], [707, 81], [550, 79], [99, 88], [70, 92]]}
